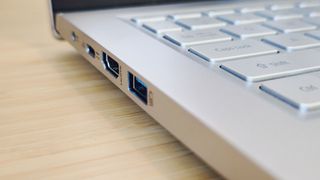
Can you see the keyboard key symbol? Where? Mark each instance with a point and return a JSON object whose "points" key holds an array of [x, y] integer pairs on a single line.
{"points": [[262, 66], [309, 88]]}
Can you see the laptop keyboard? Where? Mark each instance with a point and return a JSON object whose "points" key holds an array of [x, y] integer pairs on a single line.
{"points": [[275, 45]]}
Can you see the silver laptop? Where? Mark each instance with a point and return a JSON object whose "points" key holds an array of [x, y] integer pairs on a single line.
{"points": [[238, 82]]}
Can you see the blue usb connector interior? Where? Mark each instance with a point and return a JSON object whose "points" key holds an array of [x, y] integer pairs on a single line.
{"points": [[138, 88]]}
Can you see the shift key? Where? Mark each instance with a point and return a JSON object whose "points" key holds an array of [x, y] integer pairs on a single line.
{"points": [[216, 52], [274, 66]]}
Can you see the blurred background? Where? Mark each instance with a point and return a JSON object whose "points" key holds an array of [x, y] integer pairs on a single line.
{"points": [[24, 23]]}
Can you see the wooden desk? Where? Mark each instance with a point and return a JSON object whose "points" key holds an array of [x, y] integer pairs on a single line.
{"points": [[61, 119]]}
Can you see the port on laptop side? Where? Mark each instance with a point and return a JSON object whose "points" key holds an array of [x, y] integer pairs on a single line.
{"points": [[230, 124], [154, 101]]}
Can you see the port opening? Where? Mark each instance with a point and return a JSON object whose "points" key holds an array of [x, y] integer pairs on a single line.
{"points": [[111, 65], [74, 36], [138, 88], [90, 51]]}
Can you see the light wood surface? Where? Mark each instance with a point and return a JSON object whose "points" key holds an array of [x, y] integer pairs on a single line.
{"points": [[61, 119]]}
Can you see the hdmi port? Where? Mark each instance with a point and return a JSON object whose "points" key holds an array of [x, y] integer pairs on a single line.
{"points": [[110, 65]]}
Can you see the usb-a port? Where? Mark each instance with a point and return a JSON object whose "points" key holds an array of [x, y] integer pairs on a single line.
{"points": [[138, 88]]}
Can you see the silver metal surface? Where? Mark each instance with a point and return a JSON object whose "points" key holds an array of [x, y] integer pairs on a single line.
{"points": [[309, 4], [281, 14], [314, 34], [302, 92], [237, 19], [250, 9], [313, 12], [161, 26], [213, 13], [315, 21], [234, 127], [141, 20], [52, 21], [188, 38], [216, 52], [248, 31], [185, 15], [281, 6], [292, 42], [271, 67], [289, 26], [200, 23]]}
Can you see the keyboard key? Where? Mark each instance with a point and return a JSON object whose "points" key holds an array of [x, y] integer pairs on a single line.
{"points": [[315, 21], [231, 50], [274, 66], [280, 6], [311, 12], [281, 14], [292, 42], [218, 12], [314, 12], [140, 20], [314, 34], [185, 15], [200, 23], [248, 31], [187, 38], [309, 4], [301, 92], [161, 27], [289, 26], [250, 9], [238, 19]]}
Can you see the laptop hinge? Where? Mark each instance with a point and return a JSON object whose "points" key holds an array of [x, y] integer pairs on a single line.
{"points": [[53, 20]]}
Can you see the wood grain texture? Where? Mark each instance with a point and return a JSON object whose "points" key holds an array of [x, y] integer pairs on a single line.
{"points": [[61, 119]]}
